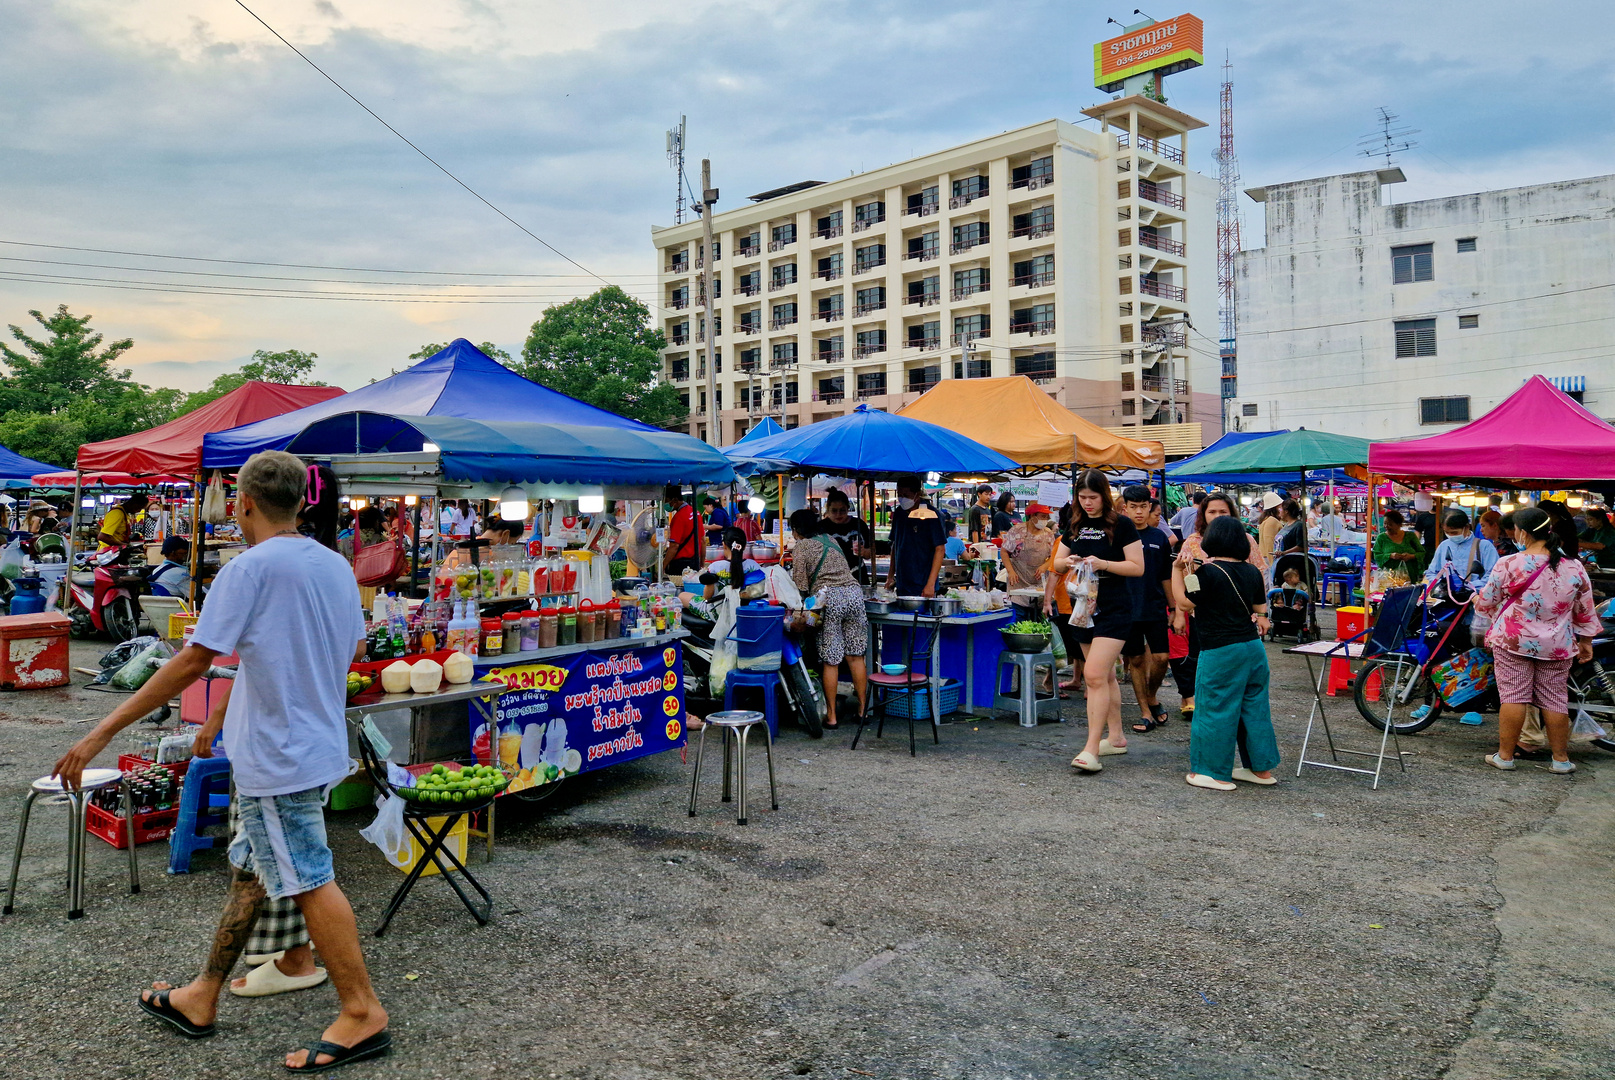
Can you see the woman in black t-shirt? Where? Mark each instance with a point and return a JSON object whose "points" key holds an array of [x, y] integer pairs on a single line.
{"points": [[1226, 595], [1108, 542]]}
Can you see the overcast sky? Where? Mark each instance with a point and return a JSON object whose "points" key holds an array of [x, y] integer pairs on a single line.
{"points": [[167, 127]]}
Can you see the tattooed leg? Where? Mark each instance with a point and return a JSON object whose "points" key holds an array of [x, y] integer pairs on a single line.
{"points": [[199, 1000]]}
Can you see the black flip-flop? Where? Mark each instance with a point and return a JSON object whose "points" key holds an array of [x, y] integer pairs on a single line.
{"points": [[1146, 725], [375, 1046], [159, 1007], [1161, 716]]}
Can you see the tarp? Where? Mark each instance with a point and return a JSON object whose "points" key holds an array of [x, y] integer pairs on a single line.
{"points": [[1538, 437], [458, 380], [1190, 470], [1287, 453], [516, 452], [762, 430], [175, 448], [1015, 417], [18, 471], [868, 443], [66, 478]]}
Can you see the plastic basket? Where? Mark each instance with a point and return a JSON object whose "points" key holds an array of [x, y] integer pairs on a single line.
{"points": [[132, 762], [916, 702], [150, 825]]}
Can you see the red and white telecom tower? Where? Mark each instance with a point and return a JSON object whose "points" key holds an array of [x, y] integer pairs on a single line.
{"points": [[1227, 243]]}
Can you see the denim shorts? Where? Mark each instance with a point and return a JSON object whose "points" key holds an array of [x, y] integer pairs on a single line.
{"points": [[282, 841]]}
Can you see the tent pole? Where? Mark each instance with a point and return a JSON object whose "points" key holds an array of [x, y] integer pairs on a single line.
{"points": [[415, 550], [72, 534], [196, 537], [1329, 499]]}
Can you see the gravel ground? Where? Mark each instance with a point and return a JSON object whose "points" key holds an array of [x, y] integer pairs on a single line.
{"points": [[978, 912]]}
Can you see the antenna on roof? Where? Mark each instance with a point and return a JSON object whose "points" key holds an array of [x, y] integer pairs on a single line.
{"points": [[1389, 140], [675, 158]]}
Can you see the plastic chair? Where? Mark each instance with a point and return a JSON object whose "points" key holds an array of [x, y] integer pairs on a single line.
{"points": [[91, 780], [1028, 705], [204, 800], [915, 684], [767, 681]]}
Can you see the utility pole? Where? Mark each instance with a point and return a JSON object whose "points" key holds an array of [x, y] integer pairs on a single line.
{"points": [[709, 196]]}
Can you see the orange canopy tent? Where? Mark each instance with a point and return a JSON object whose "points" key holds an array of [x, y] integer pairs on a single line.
{"points": [[1018, 419]]}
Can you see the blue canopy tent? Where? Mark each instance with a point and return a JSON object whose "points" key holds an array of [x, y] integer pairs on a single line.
{"points": [[459, 380], [868, 444], [17, 471], [765, 427]]}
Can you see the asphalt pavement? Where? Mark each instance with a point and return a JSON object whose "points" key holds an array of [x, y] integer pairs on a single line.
{"points": [[979, 911]]}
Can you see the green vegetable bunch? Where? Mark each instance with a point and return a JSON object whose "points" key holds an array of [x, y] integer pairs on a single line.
{"points": [[445, 786], [1027, 626]]}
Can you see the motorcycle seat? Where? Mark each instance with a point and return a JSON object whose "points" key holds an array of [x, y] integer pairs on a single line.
{"points": [[85, 579]]}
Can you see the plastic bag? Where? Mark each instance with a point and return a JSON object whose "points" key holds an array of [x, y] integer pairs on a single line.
{"points": [[214, 504], [113, 660], [12, 561], [1586, 728], [133, 675], [387, 831], [725, 653], [781, 591], [1083, 585], [1057, 646]]}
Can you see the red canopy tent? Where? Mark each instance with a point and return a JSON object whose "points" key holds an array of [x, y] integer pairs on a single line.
{"points": [[1538, 437], [174, 450]]}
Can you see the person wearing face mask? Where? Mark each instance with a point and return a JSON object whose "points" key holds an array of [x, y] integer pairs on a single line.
{"points": [[1471, 557], [683, 551], [918, 542], [856, 538], [1027, 548]]}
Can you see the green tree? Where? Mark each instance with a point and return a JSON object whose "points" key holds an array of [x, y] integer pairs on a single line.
{"points": [[493, 351], [52, 437], [66, 365], [291, 366], [603, 349]]}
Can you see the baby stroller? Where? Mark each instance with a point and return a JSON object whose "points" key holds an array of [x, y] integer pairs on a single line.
{"points": [[1292, 612]]}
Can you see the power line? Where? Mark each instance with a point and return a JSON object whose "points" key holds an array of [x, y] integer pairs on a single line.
{"points": [[187, 289], [418, 150]]}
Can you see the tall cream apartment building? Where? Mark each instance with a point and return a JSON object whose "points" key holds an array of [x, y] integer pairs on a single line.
{"points": [[1072, 256]]}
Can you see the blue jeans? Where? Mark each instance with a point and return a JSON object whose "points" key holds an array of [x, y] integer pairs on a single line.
{"points": [[1231, 712], [282, 841]]}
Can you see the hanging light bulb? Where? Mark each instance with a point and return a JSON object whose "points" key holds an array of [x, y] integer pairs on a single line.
{"points": [[410, 500], [591, 504], [358, 502], [513, 504], [756, 505], [1575, 502]]}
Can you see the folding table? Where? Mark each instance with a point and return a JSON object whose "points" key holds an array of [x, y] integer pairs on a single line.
{"points": [[1327, 651]]}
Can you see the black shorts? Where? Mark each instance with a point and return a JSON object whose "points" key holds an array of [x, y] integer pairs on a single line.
{"points": [[1148, 635], [1105, 626]]}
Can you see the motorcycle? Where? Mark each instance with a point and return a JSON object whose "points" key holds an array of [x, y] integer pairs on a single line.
{"points": [[102, 595], [804, 695]]}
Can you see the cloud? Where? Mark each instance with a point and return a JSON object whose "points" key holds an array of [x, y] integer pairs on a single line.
{"points": [[146, 126]]}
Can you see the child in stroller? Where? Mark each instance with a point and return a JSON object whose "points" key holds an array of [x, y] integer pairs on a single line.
{"points": [[1290, 605]]}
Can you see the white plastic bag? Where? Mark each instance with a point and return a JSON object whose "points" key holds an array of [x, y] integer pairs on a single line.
{"points": [[724, 651], [387, 831], [1586, 728], [1083, 585], [781, 590], [13, 562]]}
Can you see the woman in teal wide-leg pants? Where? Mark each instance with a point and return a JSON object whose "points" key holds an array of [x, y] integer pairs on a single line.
{"points": [[1231, 712]]}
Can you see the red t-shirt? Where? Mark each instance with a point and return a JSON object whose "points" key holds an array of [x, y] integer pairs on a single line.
{"points": [[682, 532]]}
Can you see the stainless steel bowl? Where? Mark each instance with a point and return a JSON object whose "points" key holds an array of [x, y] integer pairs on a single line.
{"points": [[878, 607], [908, 603], [945, 605]]}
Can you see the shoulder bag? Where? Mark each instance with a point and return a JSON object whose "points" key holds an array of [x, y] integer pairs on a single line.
{"points": [[379, 564]]}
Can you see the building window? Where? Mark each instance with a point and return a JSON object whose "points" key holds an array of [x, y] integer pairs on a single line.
{"points": [[790, 393], [922, 199], [830, 224], [833, 387], [785, 352], [751, 322], [1036, 222], [1415, 262], [871, 382], [784, 274], [1129, 407], [867, 258], [969, 282], [782, 235], [750, 245], [1466, 243], [871, 341], [831, 307], [925, 291], [750, 359], [977, 368], [1415, 337], [924, 246], [684, 402], [1040, 169], [1041, 365], [679, 369], [1127, 382], [871, 299], [1468, 322], [784, 314], [971, 187], [968, 236], [1038, 270], [1247, 409], [830, 267], [927, 335], [970, 327], [922, 379], [1444, 410], [830, 349], [1037, 319], [869, 213]]}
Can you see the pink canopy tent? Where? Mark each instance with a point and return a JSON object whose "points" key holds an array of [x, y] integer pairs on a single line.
{"points": [[1538, 437]]}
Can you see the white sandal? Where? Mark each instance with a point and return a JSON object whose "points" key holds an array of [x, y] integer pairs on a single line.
{"points": [[1251, 778], [266, 980], [1086, 762], [1211, 783], [1107, 750]]}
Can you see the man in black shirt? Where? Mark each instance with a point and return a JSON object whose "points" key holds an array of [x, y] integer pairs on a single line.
{"points": [[917, 542], [979, 519], [1146, 649]]}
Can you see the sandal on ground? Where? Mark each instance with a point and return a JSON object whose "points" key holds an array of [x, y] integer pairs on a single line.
{"points": [[267, 980], [1107, 750], [1187, 714], [1146, 724], [157, 1004], [1210, 783], [1086, 762], [375, 1046], [1160, 715], [1498, 763], [257, 959], [1251, 778]]}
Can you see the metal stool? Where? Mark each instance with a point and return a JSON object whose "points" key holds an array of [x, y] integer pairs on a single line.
{"points": [[736, 726], [92, 780], [1028, 703]]}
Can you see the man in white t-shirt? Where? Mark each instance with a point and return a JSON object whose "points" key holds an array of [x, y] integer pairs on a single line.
{"points": [[290, 608]]}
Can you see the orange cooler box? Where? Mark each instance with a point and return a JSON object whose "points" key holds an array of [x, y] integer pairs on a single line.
{"points": [[1349, 622], [33, 651]]}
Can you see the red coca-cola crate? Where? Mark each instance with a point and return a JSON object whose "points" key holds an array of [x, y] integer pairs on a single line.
{"points": [[150, 825], [33, 651], [131, 763]]}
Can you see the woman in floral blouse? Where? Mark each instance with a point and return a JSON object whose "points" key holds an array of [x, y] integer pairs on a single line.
{"points": [[1542, 618]]}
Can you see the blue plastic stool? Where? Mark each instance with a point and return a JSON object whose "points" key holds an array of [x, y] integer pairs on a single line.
{"points": [[767, 681], [203, 801]]}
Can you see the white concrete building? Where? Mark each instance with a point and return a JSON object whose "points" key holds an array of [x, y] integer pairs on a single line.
{"points": [[1051, 251], [1389, 321]]}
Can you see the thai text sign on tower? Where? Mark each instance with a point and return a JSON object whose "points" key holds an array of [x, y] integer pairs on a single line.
{"points": [[1166, 47]]}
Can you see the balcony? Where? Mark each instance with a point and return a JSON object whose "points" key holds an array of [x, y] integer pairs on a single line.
{"points": [[680, 339], [923, 210], [1167, 334], [1027, 326], [864, 266], [925, 344], [969, 291], [750, 290], [782, 363], [679, 267], [924, 254], [780, 324], [1160, 243], [965, 245], [748, 327], [1041, 228], [679, 373], [1041, 278], [1033, 183], [749, 365], [1159, 384], [966, 199], [831, 356], [1157, 194], [747, 251], [780, 245], [925, 299], [680, 304], [1152, 146], [873, 392], [922, 384], [1161, 289], [967, 336], [861, 351], [830, 274], [828, 234], [830, 398], [776, 286], [867, 223], [833, 315], [865, 309]]}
